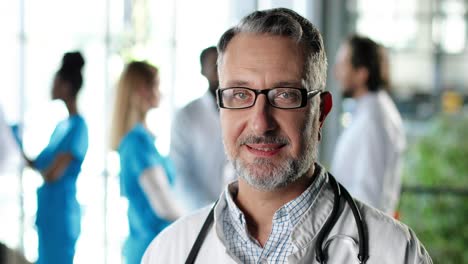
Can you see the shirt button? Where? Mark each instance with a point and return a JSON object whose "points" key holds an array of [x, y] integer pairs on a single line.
{"points": [[263, 261]]}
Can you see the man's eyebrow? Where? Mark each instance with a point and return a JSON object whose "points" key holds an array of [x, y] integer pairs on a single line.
{"points": [[288, 84], [239, 83]]}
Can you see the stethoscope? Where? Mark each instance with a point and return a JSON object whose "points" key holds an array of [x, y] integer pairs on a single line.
{"points": [[339, 192]]}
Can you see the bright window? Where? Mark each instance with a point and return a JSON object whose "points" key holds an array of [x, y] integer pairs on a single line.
{"points": [[169, 34]]}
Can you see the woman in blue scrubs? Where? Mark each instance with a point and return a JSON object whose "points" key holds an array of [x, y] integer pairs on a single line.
{"points": [[58, 212], [145, 175]]}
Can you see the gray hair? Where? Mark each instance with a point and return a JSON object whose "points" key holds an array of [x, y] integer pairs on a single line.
{"points": [[285, 22]]}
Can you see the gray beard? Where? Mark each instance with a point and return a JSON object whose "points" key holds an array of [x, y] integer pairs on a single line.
{"points": [[264, 175]]}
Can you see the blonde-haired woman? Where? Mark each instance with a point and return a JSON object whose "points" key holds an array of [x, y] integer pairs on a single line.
{"points": [[145, 175]]}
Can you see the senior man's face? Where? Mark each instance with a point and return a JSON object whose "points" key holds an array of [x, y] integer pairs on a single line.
{"points": [[268, 147]]}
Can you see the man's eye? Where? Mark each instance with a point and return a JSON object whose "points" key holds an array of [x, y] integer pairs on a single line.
{"points": [[288, 95], [240, 95]]}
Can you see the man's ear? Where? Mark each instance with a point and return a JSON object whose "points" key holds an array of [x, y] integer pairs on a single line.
{"points": [[326, 104]]}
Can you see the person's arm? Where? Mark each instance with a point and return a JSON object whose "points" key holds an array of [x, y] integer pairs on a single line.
{"points": [[56, 169], [156, 186], [53, 166]]}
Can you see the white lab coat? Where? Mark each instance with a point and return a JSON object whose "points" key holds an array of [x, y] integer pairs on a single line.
{"points": [[368, 154], [197, 153], [390, 242]]}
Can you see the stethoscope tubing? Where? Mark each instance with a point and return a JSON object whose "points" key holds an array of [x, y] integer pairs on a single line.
{"points": [[339, 191]]}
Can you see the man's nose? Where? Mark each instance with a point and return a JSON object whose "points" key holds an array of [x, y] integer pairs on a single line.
{"points": [[262, 119]]}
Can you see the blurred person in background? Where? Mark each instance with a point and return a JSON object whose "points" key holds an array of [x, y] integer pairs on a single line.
{"points": [[368, 154], [145, 175], [58, 212], [9, 158], [196, 144], [9, 150]]}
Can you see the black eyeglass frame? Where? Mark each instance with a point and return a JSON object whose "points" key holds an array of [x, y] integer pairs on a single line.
{"points": [[305, 96]]}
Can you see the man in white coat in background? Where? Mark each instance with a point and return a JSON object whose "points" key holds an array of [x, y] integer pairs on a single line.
{"points": [[284, 208], [196, 145], [368, 154]]}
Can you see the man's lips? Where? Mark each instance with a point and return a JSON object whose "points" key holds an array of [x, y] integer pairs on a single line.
{"points": [[264, 150]]}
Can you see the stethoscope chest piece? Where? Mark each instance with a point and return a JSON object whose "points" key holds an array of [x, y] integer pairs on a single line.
{"points": [[346, 245], [340, 192]]}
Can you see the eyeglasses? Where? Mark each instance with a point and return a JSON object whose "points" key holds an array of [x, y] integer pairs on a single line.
{"points": [[279, 97]]}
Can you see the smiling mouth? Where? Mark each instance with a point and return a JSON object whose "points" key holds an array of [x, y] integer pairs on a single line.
{"points": [[264, 150]]}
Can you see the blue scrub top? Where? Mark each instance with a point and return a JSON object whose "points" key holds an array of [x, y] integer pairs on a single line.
{"points": [[138, 153], [58, 212]]}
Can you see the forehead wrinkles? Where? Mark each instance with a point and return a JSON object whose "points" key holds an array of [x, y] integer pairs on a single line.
{"points": [[262, 54], [288, 68]]}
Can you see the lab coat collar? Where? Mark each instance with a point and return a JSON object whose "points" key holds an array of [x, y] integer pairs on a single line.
{"points": [[305, 231]]}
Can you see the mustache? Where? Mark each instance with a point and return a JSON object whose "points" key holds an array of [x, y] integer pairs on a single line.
{"points": [[251, 139]]}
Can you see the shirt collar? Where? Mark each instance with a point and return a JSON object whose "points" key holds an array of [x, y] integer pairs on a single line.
{"points": [[292, 211], [234, 213], [296, 208]]}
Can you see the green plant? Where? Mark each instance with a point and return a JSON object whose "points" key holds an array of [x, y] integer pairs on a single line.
{"points": [[439, 159]]}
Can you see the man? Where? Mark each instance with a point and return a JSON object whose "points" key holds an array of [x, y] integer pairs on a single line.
{"points": [[277, 211], [196, 144], [368, 154]]}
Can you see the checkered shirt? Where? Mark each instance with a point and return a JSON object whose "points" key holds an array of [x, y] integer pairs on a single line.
{"points": [[279, 246]]}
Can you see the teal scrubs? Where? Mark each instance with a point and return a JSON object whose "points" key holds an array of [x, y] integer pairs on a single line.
{"points": [[58, 212], [138, 153]]}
